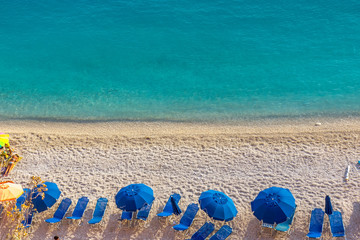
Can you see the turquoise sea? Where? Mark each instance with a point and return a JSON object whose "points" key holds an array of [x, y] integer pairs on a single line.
{"points": [[179, 60]]}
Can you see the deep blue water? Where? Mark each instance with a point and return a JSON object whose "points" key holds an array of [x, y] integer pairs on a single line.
{"points": [[178, 60]]}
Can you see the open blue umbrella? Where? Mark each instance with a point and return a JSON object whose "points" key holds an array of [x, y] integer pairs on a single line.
{"points": [[274, 205], [134, 197], [51, 192], [328, 206], [217, 205]]}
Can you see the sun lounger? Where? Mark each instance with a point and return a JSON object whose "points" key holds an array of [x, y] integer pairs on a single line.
{"points": [[267, 228], [8, 169], [28, 219], [222, 233], [79, 208], [187, 218], [336, 224], [285, 226], [267, 225], [144, 212], [60, 212], [168, 209], [126, 216], [21, 200], [316, 223], [203, 232], [99, 211]]}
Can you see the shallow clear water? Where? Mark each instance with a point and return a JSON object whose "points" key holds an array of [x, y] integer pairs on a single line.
{"points": [[178, 60]]}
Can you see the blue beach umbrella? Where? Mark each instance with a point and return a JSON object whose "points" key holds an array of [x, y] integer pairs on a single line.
{"points": [[217, 205], [328, 206], [21, 200], [134, 197], [51, 192], [274, 205]]}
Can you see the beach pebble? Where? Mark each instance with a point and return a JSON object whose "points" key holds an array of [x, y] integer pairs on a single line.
{"points": [[318, 124]]}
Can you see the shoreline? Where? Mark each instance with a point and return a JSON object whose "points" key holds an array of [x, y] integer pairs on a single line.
{"points": [[169, 128]]}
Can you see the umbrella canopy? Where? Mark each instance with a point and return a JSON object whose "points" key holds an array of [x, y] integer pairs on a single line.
{"points": [[175, 206], [21, 200], [217, 205], [274, 205], [4, 139], [328, 206], [134, 197], [10, 191], [52, 193]]}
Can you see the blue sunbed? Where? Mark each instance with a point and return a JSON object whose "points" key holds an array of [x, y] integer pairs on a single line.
{"points": [[79, 208], [285, 226], [28, 219], [126, 216], [168, 209], [222, 233], [336, 224], [188, 217], [99, 211], [144, 212], [61, 211], [203, 232], [21, 200], [316, 223]]}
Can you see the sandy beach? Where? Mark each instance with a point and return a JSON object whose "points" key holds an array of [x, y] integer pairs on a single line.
{"points": [[239, 159]]}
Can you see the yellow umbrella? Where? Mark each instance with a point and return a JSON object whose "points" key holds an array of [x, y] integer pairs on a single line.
{"points": [[10, 191], [4, 139]]}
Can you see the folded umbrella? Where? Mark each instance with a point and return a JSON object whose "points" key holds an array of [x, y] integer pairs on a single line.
{"points": [[175, 206], [328, 206]]}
